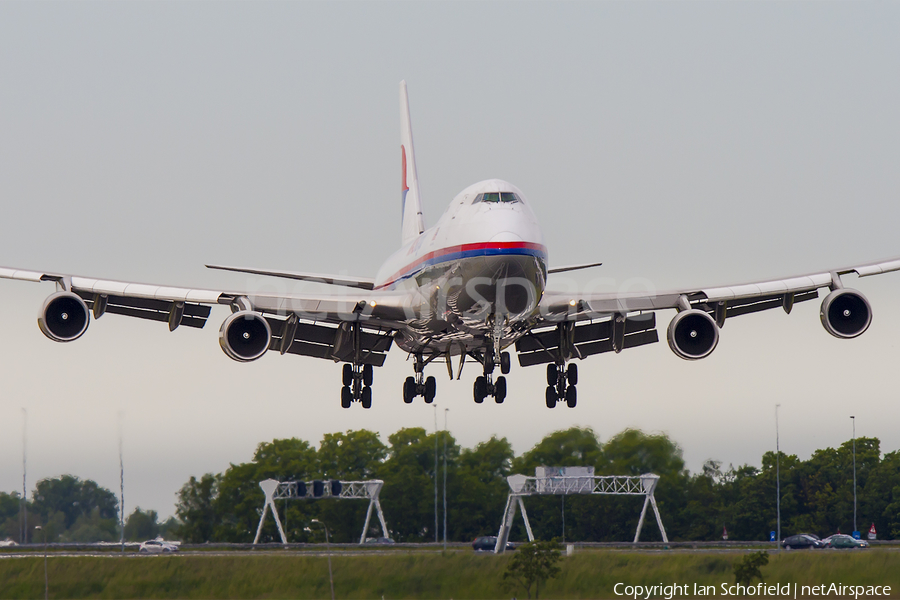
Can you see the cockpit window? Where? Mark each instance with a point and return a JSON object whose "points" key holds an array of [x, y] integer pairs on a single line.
{"points": [[496, 197]]}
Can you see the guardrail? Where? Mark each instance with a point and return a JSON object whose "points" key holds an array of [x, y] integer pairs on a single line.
{"points": [[132, 547]]}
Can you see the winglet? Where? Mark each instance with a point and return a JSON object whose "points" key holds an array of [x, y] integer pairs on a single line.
{"points": [[413, 222]]}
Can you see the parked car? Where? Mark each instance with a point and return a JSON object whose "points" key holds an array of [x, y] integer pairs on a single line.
{"points": [[158, 546], [7, 543], [487, 543], [802, 541], [844, 541]]}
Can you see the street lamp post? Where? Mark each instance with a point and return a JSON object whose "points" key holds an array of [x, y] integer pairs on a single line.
{"points": [[435, 477], [328, 551], [446, 410], [46, 578], [853, 418], [777, 479]]}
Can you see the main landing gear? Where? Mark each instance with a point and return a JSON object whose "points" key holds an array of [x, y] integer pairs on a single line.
{"points": [[561, 382], [485, 385], [419, 385], [357, 382]]}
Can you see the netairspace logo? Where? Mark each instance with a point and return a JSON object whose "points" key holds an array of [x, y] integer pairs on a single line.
{"points": [[788, 590]]}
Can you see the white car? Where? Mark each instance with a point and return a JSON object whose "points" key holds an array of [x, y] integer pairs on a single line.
{"points": [[158, 546], [6, 543]]}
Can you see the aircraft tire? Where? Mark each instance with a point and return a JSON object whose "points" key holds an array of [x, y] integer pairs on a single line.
{"points": [[366, 397], [572, 374], [571, 396], [346, 397], [409, 390], [505, 363], [552, 374], [347, 375], [500, 390], [551, 397], [480, 389], [430, 389], [367, 375]]}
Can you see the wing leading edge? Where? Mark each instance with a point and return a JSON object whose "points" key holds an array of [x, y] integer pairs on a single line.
{"points": [[578, 325]]}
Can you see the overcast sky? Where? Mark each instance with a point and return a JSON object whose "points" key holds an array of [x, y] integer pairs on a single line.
{"points": [[682, 144]]}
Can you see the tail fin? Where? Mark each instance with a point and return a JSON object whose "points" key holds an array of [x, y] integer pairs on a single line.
{"points": [[411, 208]]}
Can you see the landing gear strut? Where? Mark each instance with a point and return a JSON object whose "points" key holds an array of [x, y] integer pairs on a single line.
{"points": [[561, 382], [485, 385], [357, 380], [356, 377], [419, 385]]}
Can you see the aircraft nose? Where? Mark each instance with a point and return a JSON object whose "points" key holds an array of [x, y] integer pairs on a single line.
{"points": [[507, 236]]}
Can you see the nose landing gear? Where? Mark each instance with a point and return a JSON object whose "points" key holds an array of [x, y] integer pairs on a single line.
{"points": [[419, 385], [561, 382], [486, 386], [357, 380]]}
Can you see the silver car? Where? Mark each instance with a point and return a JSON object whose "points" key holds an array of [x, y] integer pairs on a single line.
{"points": [[158, 546]]}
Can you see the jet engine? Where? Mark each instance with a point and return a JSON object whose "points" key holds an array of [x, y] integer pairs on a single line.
{"points": [[245, 335], [64, 317], [845, 313], [693, 334]]}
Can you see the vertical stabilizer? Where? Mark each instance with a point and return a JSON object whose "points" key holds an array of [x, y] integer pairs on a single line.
{"points": [[411, 208]]}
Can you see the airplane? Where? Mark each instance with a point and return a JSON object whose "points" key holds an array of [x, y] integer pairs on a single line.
{"points": [[467, 289]]}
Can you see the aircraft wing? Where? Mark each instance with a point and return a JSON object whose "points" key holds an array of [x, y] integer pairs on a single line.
{"points": [[625, 320], [308, 324]]}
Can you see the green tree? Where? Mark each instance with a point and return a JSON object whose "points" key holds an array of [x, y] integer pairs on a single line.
{"points": [[477, 493], [350, 456], [10, 519], [170, 529], [747, 568], [141, 525], [239, 497], [74, 498], [408, 494], [196, 508], [633, 452], [70, 509], [531, 565], [91, 527], [573, 447]]}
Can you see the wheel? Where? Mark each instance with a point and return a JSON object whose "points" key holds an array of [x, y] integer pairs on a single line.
{"points": [[552, 374], [430, 389], [571, 396], [500, 390], [367, 374], [409, 389], [480, 389], [787, 547], [572, 374], [347, 377], [346, 397], [504, 363], [551, 397], [366, 397]]}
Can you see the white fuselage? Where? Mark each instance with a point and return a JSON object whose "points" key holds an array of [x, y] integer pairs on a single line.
{"points": [[482, 267]]}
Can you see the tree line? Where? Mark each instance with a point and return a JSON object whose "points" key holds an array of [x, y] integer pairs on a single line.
{"points": [[816, 494], [69, 509]]}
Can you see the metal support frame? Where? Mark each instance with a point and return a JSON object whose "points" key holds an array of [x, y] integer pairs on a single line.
{"points": [[287, 490], [610, 485]]}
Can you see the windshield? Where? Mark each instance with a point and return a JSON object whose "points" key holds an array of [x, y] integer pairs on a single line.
{"points": [[496, 197]]}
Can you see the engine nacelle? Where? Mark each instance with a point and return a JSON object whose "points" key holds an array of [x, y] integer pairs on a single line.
{"points": [[693, 334], [245, 335], [64, 317], [845, 313]]}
